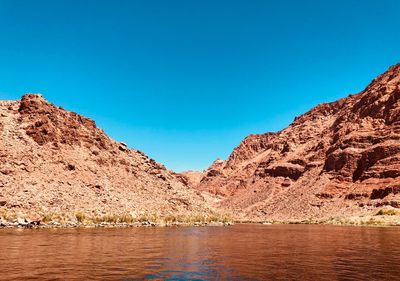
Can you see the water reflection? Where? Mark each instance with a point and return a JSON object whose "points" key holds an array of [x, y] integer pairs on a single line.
{"points": [[242, 252]]}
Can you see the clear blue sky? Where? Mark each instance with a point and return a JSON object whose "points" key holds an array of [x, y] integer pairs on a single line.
{"points": [[186, 81]]}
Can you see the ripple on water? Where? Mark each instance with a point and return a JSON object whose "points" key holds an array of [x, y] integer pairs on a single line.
{"points": [[241, 252]]}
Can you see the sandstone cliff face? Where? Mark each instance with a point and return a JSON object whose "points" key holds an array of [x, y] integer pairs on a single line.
{"points": [[340, 158], [56, 161]]}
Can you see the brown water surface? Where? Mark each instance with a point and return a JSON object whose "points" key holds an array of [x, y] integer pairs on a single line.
{"points": [[241, 252]]}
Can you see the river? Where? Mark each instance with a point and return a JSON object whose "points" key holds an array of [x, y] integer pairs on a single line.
{"points": [[239, 252]]}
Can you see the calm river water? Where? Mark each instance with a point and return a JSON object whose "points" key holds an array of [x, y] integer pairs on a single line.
{"points": [[241, 252]]}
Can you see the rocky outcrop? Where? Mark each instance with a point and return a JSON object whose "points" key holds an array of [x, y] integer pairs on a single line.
{"points": [[340, 158], [47, 123], [190, 178], [54, 161], [287, 170]]}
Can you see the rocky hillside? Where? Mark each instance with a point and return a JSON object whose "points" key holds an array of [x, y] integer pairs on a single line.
{"points": [[57, 163], [338, 159]]}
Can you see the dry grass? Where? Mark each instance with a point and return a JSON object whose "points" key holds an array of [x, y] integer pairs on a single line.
{"points": [[7, 215], [80, 217], [386, 212], [115, 218], [88, 219], [198, 218], [167, 219], [47, 217], [381, 218]]}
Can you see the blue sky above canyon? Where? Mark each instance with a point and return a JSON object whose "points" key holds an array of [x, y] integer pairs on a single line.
{"points": [[186, 81]]}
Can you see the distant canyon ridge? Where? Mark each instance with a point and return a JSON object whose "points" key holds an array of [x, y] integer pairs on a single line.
{"points": [[339, 159]]}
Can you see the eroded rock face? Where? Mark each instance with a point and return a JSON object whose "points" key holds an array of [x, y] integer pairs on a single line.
{"points": [[53, 160], [340, 158], [47, 123]]}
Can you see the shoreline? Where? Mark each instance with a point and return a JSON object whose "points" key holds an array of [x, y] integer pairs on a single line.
{"points": [[15, 219], [78, 219], [13, 225], [357, 221], [374, 220]]}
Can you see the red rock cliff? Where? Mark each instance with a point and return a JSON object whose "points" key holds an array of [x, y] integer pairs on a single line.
{"points": [[340, 158]]}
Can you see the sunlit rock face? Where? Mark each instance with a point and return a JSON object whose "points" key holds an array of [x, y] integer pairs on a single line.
{"points": [[56, 161], [339, 158]]}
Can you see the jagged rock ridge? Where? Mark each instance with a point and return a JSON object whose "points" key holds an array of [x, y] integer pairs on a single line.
{"points": [[340, 158]]}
